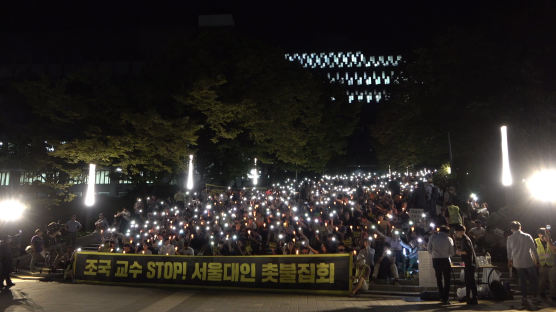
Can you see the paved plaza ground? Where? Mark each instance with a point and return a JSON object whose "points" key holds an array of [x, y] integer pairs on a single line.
{"points": [[35, 295]]}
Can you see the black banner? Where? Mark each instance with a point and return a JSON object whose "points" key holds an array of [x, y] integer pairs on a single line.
{"points": [[312, 273]]}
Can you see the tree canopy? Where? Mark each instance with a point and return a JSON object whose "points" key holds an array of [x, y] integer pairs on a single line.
{"points": [[222, 96]]}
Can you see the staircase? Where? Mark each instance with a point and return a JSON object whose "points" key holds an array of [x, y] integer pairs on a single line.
{"points": [[90, 247], [406, 287]]}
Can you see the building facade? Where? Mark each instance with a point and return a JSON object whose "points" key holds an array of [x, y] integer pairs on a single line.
{"points": [[366, 78]]}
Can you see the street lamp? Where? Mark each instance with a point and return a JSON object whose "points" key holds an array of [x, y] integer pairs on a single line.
{"points": [[542, 185], [190, 174], [506, 174], [254, 174], [11, 210], [90, 195]]}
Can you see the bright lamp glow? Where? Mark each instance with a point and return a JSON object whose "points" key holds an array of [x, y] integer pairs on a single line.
{"points": [[11, 210], [254, 174], [90, 195], [190, 174], [542, 185], [506, 174]]}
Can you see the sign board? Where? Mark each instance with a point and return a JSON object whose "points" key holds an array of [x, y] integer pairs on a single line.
{"points": [[416, 215], [308, 273]]}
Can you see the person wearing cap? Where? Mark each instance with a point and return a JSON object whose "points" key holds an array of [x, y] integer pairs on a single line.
{"points": [[522, 255], [441, 248], [467, 253]]}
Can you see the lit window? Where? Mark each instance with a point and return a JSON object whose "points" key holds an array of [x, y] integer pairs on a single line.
{"points": [[4, 178], [102, 177], [30, 178]]}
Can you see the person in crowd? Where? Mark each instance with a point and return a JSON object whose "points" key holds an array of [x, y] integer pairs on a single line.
{"points": [[522, 255], [187, 250], [441, 248], [37, 249], [467, 252], [478, 231], [416, 244], [167, 248], [72, 228], [419, 197], [179, 198], [104, 247], [546, 263], [453, 215], [128, 249], [367, 252], [552, 245], [362, 274], [66, 261], [52, 243], [122, 219], [139, 207], [101, 225], [392, 247], [6, 265], [146, 250]]}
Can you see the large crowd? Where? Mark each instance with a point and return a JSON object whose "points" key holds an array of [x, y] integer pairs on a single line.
{"points": [[382, 219]]}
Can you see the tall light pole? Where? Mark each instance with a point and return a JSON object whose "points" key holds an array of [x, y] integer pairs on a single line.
{"points": [[450, 153], [254, 174], [189, 185], [90, 195], [506, 173]]}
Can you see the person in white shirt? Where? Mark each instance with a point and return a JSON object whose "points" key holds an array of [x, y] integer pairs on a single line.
{"points": [[522, 255], [187, 250], [167, 248], [441, 248]]}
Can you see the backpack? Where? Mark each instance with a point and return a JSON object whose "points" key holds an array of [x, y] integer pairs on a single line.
{"points": [[500, 290]]}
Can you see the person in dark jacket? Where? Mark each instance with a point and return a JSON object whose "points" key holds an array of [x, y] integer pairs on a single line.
{"points": [[467, 252], [5, 263]]}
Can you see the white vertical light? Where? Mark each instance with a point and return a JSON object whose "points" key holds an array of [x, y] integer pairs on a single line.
{"points": [[506, 173], [255, 174], [90, 195], [190, 174]]}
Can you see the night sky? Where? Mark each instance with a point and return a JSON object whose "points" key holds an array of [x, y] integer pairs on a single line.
{"points": [[124, 27]]}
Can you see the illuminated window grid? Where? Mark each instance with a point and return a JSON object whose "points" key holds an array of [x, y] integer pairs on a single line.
{"points": [[102, 177], [30, 178], [354, 70], [4, 178]]}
